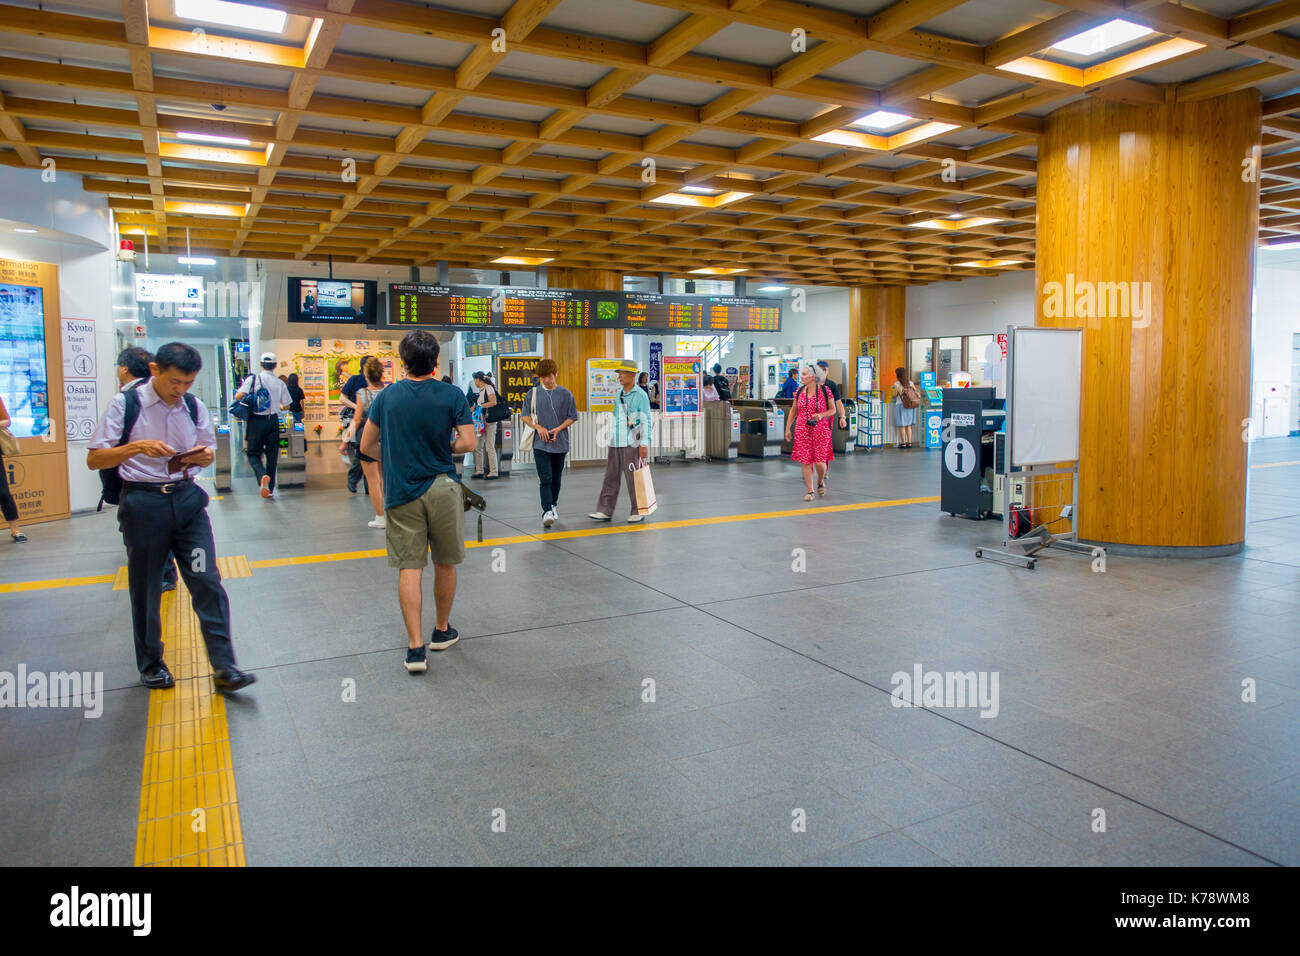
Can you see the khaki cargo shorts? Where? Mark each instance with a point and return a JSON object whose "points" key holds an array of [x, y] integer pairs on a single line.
{"points": [[432, 523]]}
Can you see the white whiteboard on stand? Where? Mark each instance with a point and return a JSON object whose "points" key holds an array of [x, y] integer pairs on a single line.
{"points": [[1046, 385]]}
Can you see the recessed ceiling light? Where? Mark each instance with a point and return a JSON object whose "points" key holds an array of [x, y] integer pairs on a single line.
{"points": [[207, 138], [195, 261], [243, 16], [882, 119], [522, 260], [22, 229], [1102, 38]]}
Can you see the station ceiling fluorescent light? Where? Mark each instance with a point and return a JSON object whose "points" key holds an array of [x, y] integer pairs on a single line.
{"points": [[989, 263], [881, 119], [23, 229], [206, 208], [715, 271], [972, 222], [711, 201], [774, 288], [241, 16], [522, 260], [209, 138], [700, 190], [1284, 245], [196, 261], [1100, 39]]}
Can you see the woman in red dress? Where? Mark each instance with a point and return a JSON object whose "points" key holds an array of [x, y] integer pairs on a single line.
{"points": [[809, 422]]}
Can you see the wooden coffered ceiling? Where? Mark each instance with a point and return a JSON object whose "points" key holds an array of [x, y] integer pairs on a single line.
{"points": [[394, 132]]}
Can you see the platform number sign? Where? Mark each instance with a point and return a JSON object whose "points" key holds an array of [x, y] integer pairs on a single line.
{"points": [[959, 458]]}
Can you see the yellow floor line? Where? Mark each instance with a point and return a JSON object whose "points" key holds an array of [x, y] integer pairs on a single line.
{"points": [[20, 586], [243, 568], [187, 761]]}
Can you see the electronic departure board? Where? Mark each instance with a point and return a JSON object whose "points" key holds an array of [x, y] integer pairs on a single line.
{"points": [[702, 313], [415, 305]]}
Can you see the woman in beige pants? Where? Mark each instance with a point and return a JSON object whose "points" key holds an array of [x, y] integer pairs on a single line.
{"points": [[485, 450]]}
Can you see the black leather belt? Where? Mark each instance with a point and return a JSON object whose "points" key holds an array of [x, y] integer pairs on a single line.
{"points": [[168, 489]]}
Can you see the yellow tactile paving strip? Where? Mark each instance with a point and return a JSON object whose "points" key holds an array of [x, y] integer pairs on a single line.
{"points": [[240, 567], [231, 567], [187, 762]]}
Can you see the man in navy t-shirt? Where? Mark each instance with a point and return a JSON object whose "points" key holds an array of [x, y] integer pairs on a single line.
{"points": [[414, 427]]}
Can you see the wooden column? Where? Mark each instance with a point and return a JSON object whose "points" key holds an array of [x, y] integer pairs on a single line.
{"points": [[570, 348], [880, 310], [1157, 196]]}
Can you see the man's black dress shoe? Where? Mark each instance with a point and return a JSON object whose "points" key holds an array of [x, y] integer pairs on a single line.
{"points": [[157, 677], [232, 680]]}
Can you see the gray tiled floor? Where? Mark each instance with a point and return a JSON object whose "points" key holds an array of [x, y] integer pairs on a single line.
{"points": [[685, 696]]}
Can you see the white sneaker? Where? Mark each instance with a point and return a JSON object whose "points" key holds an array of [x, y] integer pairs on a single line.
{"points": [[598, 516], [380, 522], [634, 519], [548, 518]]}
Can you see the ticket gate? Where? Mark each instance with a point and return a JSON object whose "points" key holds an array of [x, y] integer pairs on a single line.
{"points": [[506, 431], [222, 456], [291, 470], [844, 440], [231, 452], [721, 431], [762, 426]]}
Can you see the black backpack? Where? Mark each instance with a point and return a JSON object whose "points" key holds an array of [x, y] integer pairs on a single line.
{"points": [[723, 387], [110, 481], [498, 412]]}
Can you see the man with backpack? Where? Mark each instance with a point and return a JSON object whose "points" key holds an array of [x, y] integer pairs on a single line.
{"points": [[157, 438], [270, 396], [132, 372], [721, 385]]}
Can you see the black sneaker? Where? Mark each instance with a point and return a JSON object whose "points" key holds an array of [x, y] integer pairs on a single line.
{"points": [[229, 681], [441, 640], [157, 677], [415, 660]]}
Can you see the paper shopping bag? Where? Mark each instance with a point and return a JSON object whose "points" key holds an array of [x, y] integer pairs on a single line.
{"points": [[643, 488]]}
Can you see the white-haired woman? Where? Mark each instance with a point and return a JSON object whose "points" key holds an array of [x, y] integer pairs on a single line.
{"points": [[808, 429]]}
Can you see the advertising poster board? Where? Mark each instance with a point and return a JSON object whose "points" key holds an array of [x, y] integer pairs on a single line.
{"points": [[31, 383], [681, 385], [515, 378], [602, 384]]}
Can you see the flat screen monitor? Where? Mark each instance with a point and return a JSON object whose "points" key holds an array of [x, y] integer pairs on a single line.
{"points": [[23, 379], [338, 301]]}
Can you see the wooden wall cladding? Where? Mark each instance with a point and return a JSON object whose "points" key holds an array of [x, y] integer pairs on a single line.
{"points": [[570, 348], [1156, 194]]}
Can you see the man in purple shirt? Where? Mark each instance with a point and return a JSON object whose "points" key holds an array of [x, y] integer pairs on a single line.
{"points": [[162, 512]]}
